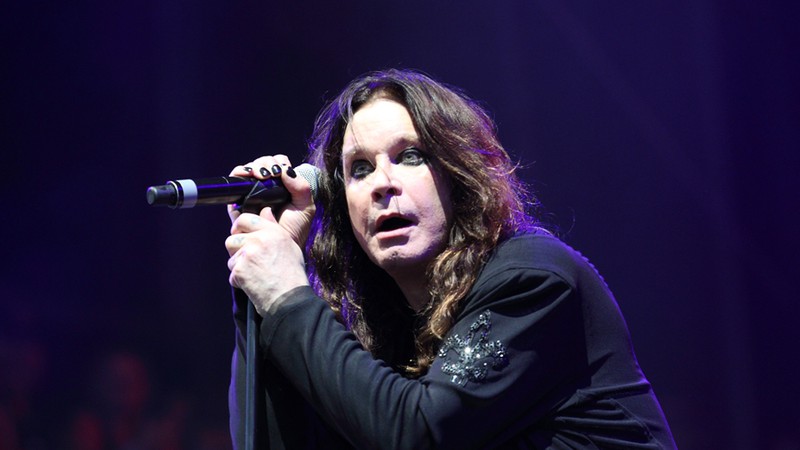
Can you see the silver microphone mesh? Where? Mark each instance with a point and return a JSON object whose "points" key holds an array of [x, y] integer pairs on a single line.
{"points": [[311, 174]]}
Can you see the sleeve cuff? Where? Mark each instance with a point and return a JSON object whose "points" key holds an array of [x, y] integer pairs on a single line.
{"points": [[300, 297]]}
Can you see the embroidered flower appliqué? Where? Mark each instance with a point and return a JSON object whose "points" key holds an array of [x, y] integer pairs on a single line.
{"points": [[469, 358]]}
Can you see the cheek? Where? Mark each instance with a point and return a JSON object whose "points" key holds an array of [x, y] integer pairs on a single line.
{"points": [[443, 207], [357, 216], [442, 224]]}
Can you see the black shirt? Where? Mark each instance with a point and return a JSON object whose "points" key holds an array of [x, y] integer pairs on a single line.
{"points": [[540, 357]]}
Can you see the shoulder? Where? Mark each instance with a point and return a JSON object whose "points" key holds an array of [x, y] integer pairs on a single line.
{"points": [[535, 269], [541, 252], [532, 266]]}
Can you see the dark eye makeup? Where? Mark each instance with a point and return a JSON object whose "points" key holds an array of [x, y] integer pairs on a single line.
{"points": [[411, 156], [360, 168]]}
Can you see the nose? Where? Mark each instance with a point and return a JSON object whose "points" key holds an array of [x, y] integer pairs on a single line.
{"points": [[384, 183]]}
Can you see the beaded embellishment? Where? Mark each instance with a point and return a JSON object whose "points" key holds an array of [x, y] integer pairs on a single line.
{"points": [[474, 354]]}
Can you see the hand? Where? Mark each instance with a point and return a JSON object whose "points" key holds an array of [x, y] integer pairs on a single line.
{"points": [[265, 262], [296, 216], [266, 258]]}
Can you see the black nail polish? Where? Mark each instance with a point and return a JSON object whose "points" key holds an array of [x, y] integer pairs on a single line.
{"points": [[276, 170], [248, 169], [290, 171], [264, 172]]}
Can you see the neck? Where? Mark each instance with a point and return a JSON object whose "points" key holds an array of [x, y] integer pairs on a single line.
{"points": [[414, 289]]}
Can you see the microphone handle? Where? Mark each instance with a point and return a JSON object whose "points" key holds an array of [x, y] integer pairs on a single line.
{"points": [[189, 193]]}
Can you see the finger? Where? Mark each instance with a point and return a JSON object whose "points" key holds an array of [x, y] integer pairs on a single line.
{"points": [[267, 214], [283, 161], [247, 223], [242, 171], [263, 167], [268, 166], [253, 168], [233, 212], [298, 187], [234, 243], [238, 171], [232, 280]]}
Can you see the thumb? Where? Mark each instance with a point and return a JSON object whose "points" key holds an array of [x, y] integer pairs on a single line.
{"points": [[266, 213], [233, 212]]}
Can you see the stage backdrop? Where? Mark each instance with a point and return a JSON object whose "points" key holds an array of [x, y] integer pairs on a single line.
{"points": [[661, 139]]}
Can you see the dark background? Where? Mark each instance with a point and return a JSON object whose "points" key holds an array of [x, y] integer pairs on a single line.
{"points": [[661, 137]]}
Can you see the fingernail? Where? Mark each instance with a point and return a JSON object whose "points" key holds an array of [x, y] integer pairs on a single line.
{"points": [[248, 169], [290, 171], [276, 170], [264, 172]]}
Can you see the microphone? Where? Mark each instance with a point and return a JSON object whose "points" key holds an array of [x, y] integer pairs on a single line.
{"points": [[181, 194]]}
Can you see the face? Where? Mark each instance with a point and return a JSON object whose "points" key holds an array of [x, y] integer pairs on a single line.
{"points": [[399, 207]]}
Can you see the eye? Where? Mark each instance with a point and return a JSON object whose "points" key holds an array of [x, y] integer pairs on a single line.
{"points": [[412, 156], [360, 168]]}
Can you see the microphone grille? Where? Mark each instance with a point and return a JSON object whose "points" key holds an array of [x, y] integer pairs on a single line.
{"points": [[311, 174]]}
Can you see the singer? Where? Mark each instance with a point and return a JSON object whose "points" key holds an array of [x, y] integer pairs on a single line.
{"points": [[417, 302]]}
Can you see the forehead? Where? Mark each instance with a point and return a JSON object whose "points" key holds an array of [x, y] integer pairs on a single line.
{"points": [[379, 123]]}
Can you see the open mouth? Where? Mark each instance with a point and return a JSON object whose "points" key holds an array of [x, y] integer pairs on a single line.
{"points": [[394, 223]]}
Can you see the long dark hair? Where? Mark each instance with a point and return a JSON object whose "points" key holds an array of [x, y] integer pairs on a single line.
{"points": [[489, 202]]}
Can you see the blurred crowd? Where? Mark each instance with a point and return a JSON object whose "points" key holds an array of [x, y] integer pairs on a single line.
{"points": [[118, 402]]}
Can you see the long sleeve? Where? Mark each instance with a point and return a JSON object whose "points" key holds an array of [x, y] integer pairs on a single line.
{"points": [[539, 356], [283, 418]]}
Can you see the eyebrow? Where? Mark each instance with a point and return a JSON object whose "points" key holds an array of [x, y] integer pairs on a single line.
{"points": [[401, 141]]}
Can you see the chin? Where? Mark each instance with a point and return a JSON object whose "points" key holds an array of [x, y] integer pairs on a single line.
{"points": [[399, 261]]}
